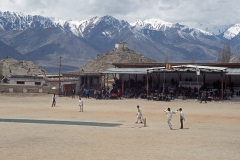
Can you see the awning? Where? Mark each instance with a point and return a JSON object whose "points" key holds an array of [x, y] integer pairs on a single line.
{"points": [[188, 68], [126, 71], [233, 71], [181, 68]]}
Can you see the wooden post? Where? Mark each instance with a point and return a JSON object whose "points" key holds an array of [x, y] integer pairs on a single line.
{"points": [[147, 85], [114, 76], [144, 122], [107, 79], [104, 81], [122, 84], [59, 79], [204, 78], [230, 81], [135, 76], [158, 79], [128, 80], [225, 82], [152, 80], [222, 87], [100, 80], [180, 76]]}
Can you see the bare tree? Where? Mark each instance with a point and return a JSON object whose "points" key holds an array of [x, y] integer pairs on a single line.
{"points": [[219, 58], [1, 70], [226, 53], [166, 59]]}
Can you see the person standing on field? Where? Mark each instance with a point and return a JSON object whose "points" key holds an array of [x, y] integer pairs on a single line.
{"points": [[181, 118], [53, 100], [139, 114], [80, 104], [87, 93], [119, 93], [203, 97], [169, 116], [73, 93]]}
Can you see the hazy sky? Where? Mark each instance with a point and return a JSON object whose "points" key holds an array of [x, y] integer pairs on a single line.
{"points": [[216, 12]]}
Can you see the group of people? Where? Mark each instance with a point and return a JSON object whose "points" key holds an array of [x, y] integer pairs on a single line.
{"points": [[80, 102], [105, 93], [169, 113]]}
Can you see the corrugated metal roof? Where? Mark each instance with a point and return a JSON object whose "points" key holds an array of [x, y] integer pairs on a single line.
{"points": [[185, 68], [149, 65], [227, 71], [126, 70], [233, 71]]}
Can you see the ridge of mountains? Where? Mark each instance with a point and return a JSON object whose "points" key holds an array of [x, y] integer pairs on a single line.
{"points": [[43, 40]]}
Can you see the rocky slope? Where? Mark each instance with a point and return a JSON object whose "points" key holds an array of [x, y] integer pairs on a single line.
{"points": [[104, 61], [10, 66]]}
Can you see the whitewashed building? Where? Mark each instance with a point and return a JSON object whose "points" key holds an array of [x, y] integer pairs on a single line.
{"points": [[27, 80], [121, 46]]}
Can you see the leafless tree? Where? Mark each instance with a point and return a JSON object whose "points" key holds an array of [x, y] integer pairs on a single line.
{"points": [[219, 58], [166, 59], [226, 53]]}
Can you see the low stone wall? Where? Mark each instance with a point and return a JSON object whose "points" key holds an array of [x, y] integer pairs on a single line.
{"points": [[27, 89]]}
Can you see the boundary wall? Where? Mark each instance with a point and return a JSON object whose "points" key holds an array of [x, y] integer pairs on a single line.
{"points": [[27, 89]]}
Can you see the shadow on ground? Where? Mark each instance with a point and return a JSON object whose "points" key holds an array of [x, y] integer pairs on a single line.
{"points": [[60, 122]]}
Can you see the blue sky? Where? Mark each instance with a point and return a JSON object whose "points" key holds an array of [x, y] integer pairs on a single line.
{"points": [[214, 12]]}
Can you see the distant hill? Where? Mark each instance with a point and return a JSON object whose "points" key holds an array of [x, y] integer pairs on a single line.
{"points": [[6, 50], [10, 66], [104, 61]]}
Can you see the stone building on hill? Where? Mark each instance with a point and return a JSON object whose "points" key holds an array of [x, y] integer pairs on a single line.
{"points": [[121, 46], [90, 75], [120, 54]]}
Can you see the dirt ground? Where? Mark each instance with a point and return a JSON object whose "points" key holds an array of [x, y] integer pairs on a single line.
{"points": [[31, 129]]}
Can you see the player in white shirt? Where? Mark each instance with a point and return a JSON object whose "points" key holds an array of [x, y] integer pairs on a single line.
{"points": [[181, 118], [54, 100], [169, 116], [80, 104], [139, 114]]}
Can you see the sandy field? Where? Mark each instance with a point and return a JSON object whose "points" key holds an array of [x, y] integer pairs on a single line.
{"points": [[31, 129]]}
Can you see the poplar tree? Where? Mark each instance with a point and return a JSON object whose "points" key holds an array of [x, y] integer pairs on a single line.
{"points": [[226, 53], [166, 59]]}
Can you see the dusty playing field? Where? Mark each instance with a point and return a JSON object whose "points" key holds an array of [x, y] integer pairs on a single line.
{"points": [[31, 129]]}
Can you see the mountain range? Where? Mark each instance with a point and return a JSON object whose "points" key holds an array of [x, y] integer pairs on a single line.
{"points": [[44, 39]]}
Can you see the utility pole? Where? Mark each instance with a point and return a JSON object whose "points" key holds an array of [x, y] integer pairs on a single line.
{"points": [[59, 81]]}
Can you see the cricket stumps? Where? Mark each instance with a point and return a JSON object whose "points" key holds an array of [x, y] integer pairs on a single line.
{"points": [[144, 122]]}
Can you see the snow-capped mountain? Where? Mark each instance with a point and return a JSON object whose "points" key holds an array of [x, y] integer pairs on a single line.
{"points": [[232, 31], [216, 30], [84, 27], [152, 24], [160, 25], [42, 39], [20, 21]]}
